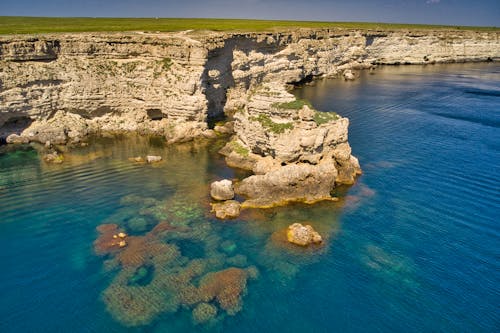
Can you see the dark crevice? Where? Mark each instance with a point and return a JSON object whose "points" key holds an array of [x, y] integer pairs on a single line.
{"points": [[14, 125], [305, 80], [155, 114], [218, 73]]}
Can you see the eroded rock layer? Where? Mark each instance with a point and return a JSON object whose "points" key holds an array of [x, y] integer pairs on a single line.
{"points": [[62, 87]]}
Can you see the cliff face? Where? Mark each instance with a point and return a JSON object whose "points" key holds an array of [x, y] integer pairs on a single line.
{"points": [[60, 88], [151, 82]]}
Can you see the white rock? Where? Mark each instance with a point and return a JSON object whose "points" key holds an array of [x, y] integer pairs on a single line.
{"points": [[153, 158], [222, 190]]}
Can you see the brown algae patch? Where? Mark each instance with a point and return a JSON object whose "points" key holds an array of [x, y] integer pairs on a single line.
{"points": [[159, 273]]}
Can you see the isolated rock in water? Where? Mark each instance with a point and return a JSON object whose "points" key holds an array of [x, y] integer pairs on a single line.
{"points": [[204, 312], [349, 75], [227, 210], [303, 235], [54, 157], [153, 158], [222, 190]]}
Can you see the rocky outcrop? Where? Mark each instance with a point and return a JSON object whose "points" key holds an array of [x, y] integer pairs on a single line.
{"points": [[295, 182], [296, 152], [303, 235]]}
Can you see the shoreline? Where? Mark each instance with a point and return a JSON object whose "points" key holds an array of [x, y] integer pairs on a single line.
{"points": [[58, 89]]}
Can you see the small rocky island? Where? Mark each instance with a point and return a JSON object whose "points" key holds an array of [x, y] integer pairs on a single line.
{"points": [[59, 89]]}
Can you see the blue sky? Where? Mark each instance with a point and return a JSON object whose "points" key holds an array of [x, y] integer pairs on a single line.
{"points": [[453, 12]]}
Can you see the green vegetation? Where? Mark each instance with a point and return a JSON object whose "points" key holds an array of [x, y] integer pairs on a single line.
{"points": [[293, 105], [33, 25], [166, 63], [239, 149], [267, 123], [324, 117], [129, 67]]}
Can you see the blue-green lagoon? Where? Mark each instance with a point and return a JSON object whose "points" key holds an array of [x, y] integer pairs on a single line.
{"points": [[413, 246]]}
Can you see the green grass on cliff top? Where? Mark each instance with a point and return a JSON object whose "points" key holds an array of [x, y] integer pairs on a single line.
{"points": [[33, 25]]}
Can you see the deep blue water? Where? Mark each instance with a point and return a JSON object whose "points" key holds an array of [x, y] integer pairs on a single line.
{"points": [[413, 246]]}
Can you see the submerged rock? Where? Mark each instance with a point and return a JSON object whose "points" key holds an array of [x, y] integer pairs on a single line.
{"points": [[204, 312], [108, 241], [54, 158], [227, 210], [137, 159], [303, 235], [222, 190], [226, 286]]}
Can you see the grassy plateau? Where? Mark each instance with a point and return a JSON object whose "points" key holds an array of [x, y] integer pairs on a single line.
{"points": [[34, 25]]}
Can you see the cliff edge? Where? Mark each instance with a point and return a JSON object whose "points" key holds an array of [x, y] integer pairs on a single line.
{"points": [[62, 87]]}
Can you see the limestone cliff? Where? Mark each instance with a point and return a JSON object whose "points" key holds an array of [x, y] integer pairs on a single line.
{"points": [[62, 87]]}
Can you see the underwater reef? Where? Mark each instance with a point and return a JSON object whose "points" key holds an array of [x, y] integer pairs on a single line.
{"points": [[175, 259]]}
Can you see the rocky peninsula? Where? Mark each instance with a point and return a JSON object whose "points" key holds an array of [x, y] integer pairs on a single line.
{"points": [[61, 88]]}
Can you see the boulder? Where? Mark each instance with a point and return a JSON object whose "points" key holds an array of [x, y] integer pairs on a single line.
{"points": [[227, 210], [349, 75], [300, 182], [153, 158], [303, 235], [222, 190]]}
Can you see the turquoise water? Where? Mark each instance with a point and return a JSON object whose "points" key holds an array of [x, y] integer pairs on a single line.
{"points": [[413, 246]]}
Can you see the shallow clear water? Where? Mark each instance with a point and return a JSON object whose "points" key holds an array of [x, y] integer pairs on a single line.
{"points": [[413, 246]]}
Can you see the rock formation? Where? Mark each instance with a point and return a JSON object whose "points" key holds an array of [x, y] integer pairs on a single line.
{"points": [[227, 210], [63, 87], [303, 235], [222, 190]]}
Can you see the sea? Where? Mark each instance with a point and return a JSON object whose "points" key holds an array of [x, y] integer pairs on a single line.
{"points": [[412, 246]]}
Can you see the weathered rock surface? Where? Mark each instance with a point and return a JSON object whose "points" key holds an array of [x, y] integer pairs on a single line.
{"points": [[227, 210], [222, 190], [295, 182], [348, 75], [303, 235], [63, 87]]}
